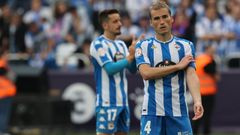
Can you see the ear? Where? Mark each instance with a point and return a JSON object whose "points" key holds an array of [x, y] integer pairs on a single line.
{"points": [[104, 25], [150, 21], [172, 19]]}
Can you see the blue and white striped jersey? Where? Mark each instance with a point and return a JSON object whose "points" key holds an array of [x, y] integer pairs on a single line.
{"points": [[111, 89], [165, 96]]}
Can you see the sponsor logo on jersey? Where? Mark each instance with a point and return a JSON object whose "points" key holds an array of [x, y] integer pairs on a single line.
{"points": [[165, 63], [118, 56]]}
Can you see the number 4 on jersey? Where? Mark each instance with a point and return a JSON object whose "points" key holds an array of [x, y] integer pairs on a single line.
{"points": [[147, 127]]}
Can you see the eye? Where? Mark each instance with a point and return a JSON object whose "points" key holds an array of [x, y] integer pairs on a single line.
{"points": [[156, 18], [165, 16], [115, 21]]}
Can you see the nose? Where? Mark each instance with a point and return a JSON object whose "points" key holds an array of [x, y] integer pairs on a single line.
{"points": [[161, 21], [120, 23]]}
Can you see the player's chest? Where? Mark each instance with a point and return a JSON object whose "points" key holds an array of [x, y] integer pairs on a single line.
{"points": [[116, 51], [165, 55]]}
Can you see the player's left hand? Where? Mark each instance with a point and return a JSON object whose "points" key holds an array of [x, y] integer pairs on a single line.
{"points": [[198, 110], [133, 44]]}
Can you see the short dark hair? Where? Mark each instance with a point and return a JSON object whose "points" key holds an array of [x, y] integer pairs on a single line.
{"points": [[103, 15], [158, 5]]}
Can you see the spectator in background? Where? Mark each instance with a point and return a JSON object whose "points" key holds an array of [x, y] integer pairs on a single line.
{"points": [[38, 13], [5, 19], [128, 29], [40, 47], [17, 31], [231, 42], [181, 24], [78, 29], [206, 68], [12, 30], [144, 26], [185, 20], [7, 92], [84, 59], [135, 8], [61, 22], [209, 29]]}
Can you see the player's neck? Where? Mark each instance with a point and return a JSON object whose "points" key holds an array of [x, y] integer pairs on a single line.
{"points": [[109, 36], [164, 37]]}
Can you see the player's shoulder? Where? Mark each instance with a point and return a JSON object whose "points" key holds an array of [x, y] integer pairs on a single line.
{"points": [[97, 41], [145, 42], [183, 41], [121, 42]]}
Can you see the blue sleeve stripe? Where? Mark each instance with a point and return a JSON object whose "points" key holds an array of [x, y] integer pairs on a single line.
{"points": [[192, 64]]}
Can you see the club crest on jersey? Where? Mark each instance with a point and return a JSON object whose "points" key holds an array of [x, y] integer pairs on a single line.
{"points": [[101, 52], [177, 46], [110, 126], [165, 63], [118, 56], [138, 52]]}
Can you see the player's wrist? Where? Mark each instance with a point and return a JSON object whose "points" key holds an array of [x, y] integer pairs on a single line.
{"points": [[199, 101], [177, 67], [130, 58]]}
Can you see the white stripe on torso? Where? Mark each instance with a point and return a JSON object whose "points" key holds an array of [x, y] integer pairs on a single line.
{"points": [[159, 98], [105, 89], [174, 82]]}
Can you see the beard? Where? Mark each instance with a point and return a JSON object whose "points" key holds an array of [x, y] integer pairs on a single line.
{"points": [[117, 33]]}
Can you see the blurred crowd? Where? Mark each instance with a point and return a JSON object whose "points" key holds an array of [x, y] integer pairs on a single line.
{"points": [[56, 34]]}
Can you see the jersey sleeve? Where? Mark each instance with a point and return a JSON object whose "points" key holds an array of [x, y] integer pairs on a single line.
{"points": [[101, 54], [141, 56], [191, 51]]}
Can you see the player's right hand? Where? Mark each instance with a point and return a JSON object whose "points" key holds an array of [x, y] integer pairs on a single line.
{"points": [[133, 44], [198, 111], [185, 61]]}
